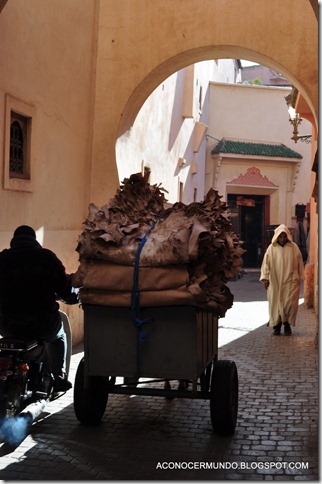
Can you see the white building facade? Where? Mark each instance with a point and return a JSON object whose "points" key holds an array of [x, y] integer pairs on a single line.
{"points": [[168, 137], [194, 133]]}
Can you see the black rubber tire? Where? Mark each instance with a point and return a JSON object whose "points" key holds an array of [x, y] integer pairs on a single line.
{"points": [[224, 397], [90, 403]]}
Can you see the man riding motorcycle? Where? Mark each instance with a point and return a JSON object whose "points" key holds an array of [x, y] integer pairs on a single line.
{"points": [[32, 278]]}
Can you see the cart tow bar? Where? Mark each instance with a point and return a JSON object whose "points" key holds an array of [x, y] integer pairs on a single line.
{"points": [[142, 334]]}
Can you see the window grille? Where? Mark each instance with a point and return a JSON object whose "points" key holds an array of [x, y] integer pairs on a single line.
{"points": [[19, 145], [18, 162], [17, 158]]}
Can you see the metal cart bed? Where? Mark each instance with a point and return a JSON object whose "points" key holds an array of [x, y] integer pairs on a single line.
{"points": [[176, 346]]}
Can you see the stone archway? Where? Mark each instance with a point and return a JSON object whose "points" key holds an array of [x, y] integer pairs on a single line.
{"points": [[141, 43]]}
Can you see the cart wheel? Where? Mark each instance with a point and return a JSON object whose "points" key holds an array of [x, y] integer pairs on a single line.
{"points": [[224, 397], [89, 403]]}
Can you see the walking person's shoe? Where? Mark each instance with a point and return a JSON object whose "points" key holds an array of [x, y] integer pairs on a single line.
{"points": [[277, 329], [287, 329]]}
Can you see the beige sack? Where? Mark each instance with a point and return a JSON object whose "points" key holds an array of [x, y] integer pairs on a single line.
{"points": [[96, 274]]}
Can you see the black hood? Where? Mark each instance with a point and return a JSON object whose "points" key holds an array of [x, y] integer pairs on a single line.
{"points": [[20, 241]]}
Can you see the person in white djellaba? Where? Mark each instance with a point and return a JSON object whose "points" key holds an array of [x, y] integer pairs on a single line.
{"points": [[281, 272]]}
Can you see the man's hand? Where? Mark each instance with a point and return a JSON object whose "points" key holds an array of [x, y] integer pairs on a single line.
{"points": [[265, 283]]}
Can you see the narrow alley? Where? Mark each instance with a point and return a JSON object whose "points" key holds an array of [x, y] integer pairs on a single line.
{"points": [[144, 437]]}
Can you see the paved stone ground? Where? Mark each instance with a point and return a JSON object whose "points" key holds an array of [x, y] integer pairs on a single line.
{"points": [[142, 438]]}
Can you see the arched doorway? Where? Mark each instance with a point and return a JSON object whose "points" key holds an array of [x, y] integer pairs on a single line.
{"points": [[249, 216]]}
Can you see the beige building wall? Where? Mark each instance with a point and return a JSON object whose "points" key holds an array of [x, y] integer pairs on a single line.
{"points": [[46, 57], [168, 136]]}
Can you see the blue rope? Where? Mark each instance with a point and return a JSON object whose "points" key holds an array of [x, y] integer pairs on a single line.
{"points": [[142, 334]]}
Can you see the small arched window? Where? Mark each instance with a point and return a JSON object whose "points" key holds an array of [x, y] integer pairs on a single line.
{"points": [[18, 158], [19, 149]]}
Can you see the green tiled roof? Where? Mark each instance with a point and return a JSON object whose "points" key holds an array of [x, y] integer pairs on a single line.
{"points": [[255, 149]]}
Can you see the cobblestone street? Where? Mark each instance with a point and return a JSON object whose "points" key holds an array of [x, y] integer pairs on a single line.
{"points": [[144, 437]]}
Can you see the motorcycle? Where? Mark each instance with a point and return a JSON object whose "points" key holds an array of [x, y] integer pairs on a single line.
{"points": [[26, 383]]}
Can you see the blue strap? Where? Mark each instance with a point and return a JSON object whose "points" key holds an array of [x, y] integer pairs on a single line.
{"points": [[142, 334]]}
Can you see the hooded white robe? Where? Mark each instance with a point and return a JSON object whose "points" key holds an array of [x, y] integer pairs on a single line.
{"points": [[283, 267]]}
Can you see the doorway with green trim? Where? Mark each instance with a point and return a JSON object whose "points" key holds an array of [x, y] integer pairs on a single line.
{"points": [[249, 215]]}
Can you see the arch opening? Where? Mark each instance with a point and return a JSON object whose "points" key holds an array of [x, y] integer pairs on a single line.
{"points": [[197, 189], [175, 64]]}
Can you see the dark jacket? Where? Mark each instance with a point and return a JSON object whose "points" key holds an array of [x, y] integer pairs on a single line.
{"points": [[31, 280]]}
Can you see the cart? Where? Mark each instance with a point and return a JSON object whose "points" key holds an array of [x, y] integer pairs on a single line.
{"points": [[174, 349]]}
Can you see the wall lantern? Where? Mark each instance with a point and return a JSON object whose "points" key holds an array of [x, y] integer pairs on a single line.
{"points": [[294, 117]]}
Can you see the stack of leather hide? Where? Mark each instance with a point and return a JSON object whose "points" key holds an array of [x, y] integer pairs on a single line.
{"points": [[187, 252]]}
